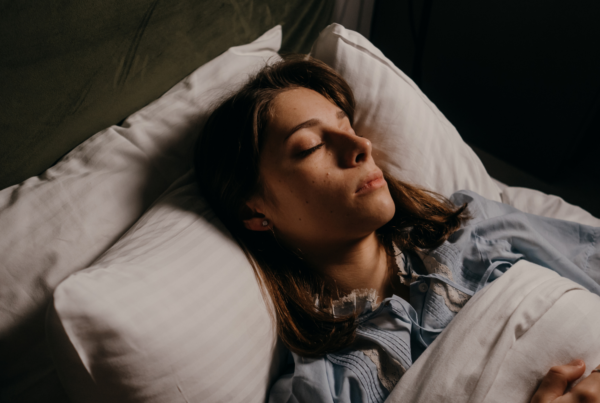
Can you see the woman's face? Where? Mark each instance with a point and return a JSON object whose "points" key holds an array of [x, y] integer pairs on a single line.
{"points": [[320, 183]]}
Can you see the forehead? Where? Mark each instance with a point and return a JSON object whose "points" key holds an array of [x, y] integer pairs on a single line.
{"points": [[297, 96], [297, 105]]}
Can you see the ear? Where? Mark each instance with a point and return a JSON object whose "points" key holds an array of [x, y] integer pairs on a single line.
{"points": [[253, 219]]}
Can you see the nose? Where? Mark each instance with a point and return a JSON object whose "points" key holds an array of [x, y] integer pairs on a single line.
{"points": [[354, 150]]}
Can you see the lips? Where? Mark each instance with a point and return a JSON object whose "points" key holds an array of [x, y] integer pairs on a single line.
{"points": [[372, 181]]}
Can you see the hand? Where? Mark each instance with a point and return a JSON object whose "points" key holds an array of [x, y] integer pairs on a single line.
{"points": [[553, 386]]}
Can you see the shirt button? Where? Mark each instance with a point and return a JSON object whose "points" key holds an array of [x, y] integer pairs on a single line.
{"points": [[423, 287]]}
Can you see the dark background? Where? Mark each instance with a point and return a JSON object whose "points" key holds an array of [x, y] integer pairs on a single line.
{"points": [[519, 80], [69, 69]]}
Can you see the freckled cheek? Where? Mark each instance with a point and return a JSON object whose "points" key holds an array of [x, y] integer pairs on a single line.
{"points": [[313, 197], [332, 203]]}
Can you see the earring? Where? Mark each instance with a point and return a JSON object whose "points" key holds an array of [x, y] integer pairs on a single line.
{"points": [[265, 223]]}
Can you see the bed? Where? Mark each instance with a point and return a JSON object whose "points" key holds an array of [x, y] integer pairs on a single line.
{"points": [[118, 283]]}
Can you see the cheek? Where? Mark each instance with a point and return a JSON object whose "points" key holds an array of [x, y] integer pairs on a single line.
{"points": [[322, 205], [307, 196], [327, 199]]}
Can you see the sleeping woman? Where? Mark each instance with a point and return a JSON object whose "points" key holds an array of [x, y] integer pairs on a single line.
{"points": [[364, 271]]}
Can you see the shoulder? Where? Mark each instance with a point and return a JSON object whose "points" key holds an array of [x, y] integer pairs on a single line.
{"points": [[480, 207], [468, 196]]}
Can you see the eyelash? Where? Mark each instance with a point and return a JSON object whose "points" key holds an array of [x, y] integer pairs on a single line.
{"points": [[306, 153]]}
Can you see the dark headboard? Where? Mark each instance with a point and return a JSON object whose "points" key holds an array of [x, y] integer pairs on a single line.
{"points": [[71, 68]]}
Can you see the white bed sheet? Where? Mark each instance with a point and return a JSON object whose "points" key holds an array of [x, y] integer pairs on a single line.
{"points": [[535, 202], [505, 339]]}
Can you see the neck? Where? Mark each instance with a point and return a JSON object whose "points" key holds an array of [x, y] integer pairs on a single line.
{"points": [[362, 263]]}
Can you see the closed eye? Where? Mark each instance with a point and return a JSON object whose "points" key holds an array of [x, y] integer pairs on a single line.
{"points": [[308, 152]]}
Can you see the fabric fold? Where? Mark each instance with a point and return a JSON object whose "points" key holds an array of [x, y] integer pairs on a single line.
{"points": [[505, 339]]}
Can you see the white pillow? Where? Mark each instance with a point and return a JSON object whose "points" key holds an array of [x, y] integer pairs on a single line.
{"points": [[58, 223], [172, 312], [411, 138], [539, 203]]}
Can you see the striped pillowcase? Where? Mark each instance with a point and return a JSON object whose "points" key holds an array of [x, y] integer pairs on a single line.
{"points": [[172, 312]]}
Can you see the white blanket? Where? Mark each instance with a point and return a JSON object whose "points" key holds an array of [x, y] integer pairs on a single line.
{"points": [[502, 343]]}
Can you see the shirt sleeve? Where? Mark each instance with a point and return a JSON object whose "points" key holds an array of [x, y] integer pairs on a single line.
{"points": [[569, 248]]}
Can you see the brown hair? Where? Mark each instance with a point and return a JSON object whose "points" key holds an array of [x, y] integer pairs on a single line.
{"points": [[227, 160]]}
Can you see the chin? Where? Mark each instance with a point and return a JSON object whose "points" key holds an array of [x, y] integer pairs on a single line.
{"points": [[389, 212], [382, 209]]}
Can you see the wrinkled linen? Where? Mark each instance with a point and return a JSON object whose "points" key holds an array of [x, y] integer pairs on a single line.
{"points": [[505, 339]]}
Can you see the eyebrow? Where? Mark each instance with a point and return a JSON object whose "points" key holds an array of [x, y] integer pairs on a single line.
{"points": [[311, 123]]}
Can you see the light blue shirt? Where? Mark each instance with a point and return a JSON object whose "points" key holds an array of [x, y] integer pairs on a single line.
{"points": [[397, 331]]}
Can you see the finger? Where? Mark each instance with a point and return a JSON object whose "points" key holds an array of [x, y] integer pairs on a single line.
{"points": [[588, 390], [556, 381]]}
